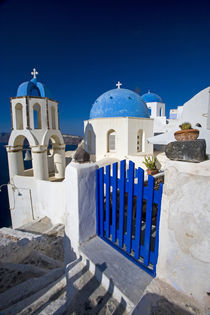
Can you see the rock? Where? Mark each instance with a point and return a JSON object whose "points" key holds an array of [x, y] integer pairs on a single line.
{"points": [[81, 156], [189, 151]]}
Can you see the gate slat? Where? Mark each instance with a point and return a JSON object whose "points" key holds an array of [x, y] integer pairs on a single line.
{"points": [[130, 205], [148, 220], [97, 203], [107, 182], [122, 202], [114, 203], [101, 200], [160, 191], [140, 188]]}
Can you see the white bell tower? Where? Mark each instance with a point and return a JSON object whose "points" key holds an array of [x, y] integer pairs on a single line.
{"points": [[34, 117]]}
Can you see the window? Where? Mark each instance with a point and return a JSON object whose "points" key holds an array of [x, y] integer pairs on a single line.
{"points": [[140, 141], [111, 137], [89, 144], [37, 116], [19, 116], [53, 117]]}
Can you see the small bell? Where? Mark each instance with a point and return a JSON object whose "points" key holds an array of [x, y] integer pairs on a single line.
{"points": [[27, 156]]}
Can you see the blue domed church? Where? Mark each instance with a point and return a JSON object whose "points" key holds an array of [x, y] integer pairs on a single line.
{"points": [[118, 126]]}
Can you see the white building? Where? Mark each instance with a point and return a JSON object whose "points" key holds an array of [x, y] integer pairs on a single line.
{"points": [[196, 111], [118, 126], [35, 118], [156, 108]]}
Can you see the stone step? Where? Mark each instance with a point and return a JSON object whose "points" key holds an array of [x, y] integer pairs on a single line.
{"points": [[85, 294], [14, 274], [16, 245], [58, 306], [126, 283], [42, 261], [37, 226], [25, 293]]}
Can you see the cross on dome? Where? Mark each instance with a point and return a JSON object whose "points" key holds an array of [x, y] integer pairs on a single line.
{"points": [[118, 84], [34, 73]]}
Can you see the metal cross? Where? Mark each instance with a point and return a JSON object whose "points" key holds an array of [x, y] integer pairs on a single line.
{"points": [[34, 73], [118, 84]]}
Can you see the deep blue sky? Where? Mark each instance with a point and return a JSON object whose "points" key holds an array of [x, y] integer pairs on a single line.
{"points": [[82, 48]]}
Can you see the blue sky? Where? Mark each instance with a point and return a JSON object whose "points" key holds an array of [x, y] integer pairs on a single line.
{"points": [[82, 48]]}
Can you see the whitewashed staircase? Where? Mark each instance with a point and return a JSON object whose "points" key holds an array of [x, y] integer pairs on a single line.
{"points": [[34, 280]]}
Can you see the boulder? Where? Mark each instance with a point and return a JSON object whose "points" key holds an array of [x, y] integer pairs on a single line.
{"points": [[81, 156], [189, 151]]}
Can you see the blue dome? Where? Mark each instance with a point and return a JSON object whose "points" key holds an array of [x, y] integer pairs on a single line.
{"points": [[151, 97], [33, 88], [119, 103]]}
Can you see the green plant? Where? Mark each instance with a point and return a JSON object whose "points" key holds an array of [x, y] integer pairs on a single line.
{"points": [[185, 126], [150, 163]]}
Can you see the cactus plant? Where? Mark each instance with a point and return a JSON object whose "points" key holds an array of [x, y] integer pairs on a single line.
{"points": [[150, 163], [185, 125]]}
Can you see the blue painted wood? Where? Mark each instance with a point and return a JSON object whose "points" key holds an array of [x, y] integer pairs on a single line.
{"points": [[148, 220], [101, 200], [147, 193], [114, 203], [160, 192], [97, 203], [107, 182], [140, 191], [130, 205], [122, 202]]}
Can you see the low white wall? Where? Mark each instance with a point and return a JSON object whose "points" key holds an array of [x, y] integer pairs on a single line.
{"points": [[31, 199], [80, 207], [184, 244]]}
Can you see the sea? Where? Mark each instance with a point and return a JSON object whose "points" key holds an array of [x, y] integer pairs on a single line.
{"points": [[5, 219]]}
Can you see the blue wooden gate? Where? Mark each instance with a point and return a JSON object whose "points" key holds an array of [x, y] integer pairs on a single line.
{"points": [[128, 213]]}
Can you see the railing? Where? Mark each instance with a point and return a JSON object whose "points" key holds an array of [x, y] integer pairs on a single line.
{"points": [[128, 213]]}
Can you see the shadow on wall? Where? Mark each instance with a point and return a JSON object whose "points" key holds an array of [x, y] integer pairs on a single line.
{"points": [[90, 139]]}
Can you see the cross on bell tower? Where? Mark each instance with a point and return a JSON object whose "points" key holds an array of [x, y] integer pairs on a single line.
{"points": [[34, 73], [118, 84]]}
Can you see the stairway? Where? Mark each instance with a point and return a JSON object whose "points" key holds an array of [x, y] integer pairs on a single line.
{"points": [[33, 278]]}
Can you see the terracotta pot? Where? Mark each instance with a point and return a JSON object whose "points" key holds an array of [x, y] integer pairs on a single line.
{"points": [[186, 135], [152, 172]]}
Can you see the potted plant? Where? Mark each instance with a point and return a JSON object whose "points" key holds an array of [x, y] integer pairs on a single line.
{"points": [[150, 163], [186, 133]]}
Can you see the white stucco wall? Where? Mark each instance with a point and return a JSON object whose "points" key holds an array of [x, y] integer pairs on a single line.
{"points": [[31, 199], [80, 206], [196, 109], [126, 135], [157, 109], [184, 244]]}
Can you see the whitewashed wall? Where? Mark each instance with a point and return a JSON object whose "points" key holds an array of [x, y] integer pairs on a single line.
{"points": [[31, 199], [184, 250], [126, 135]]}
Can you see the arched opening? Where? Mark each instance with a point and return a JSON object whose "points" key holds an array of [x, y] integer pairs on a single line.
{"points": [[56, 159], [37, 116], [19, 116], [89, 144], [161, 111], [27, 158], [53, 117], [111, 141], [140, 141], [150, 111], [23, 157]]}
